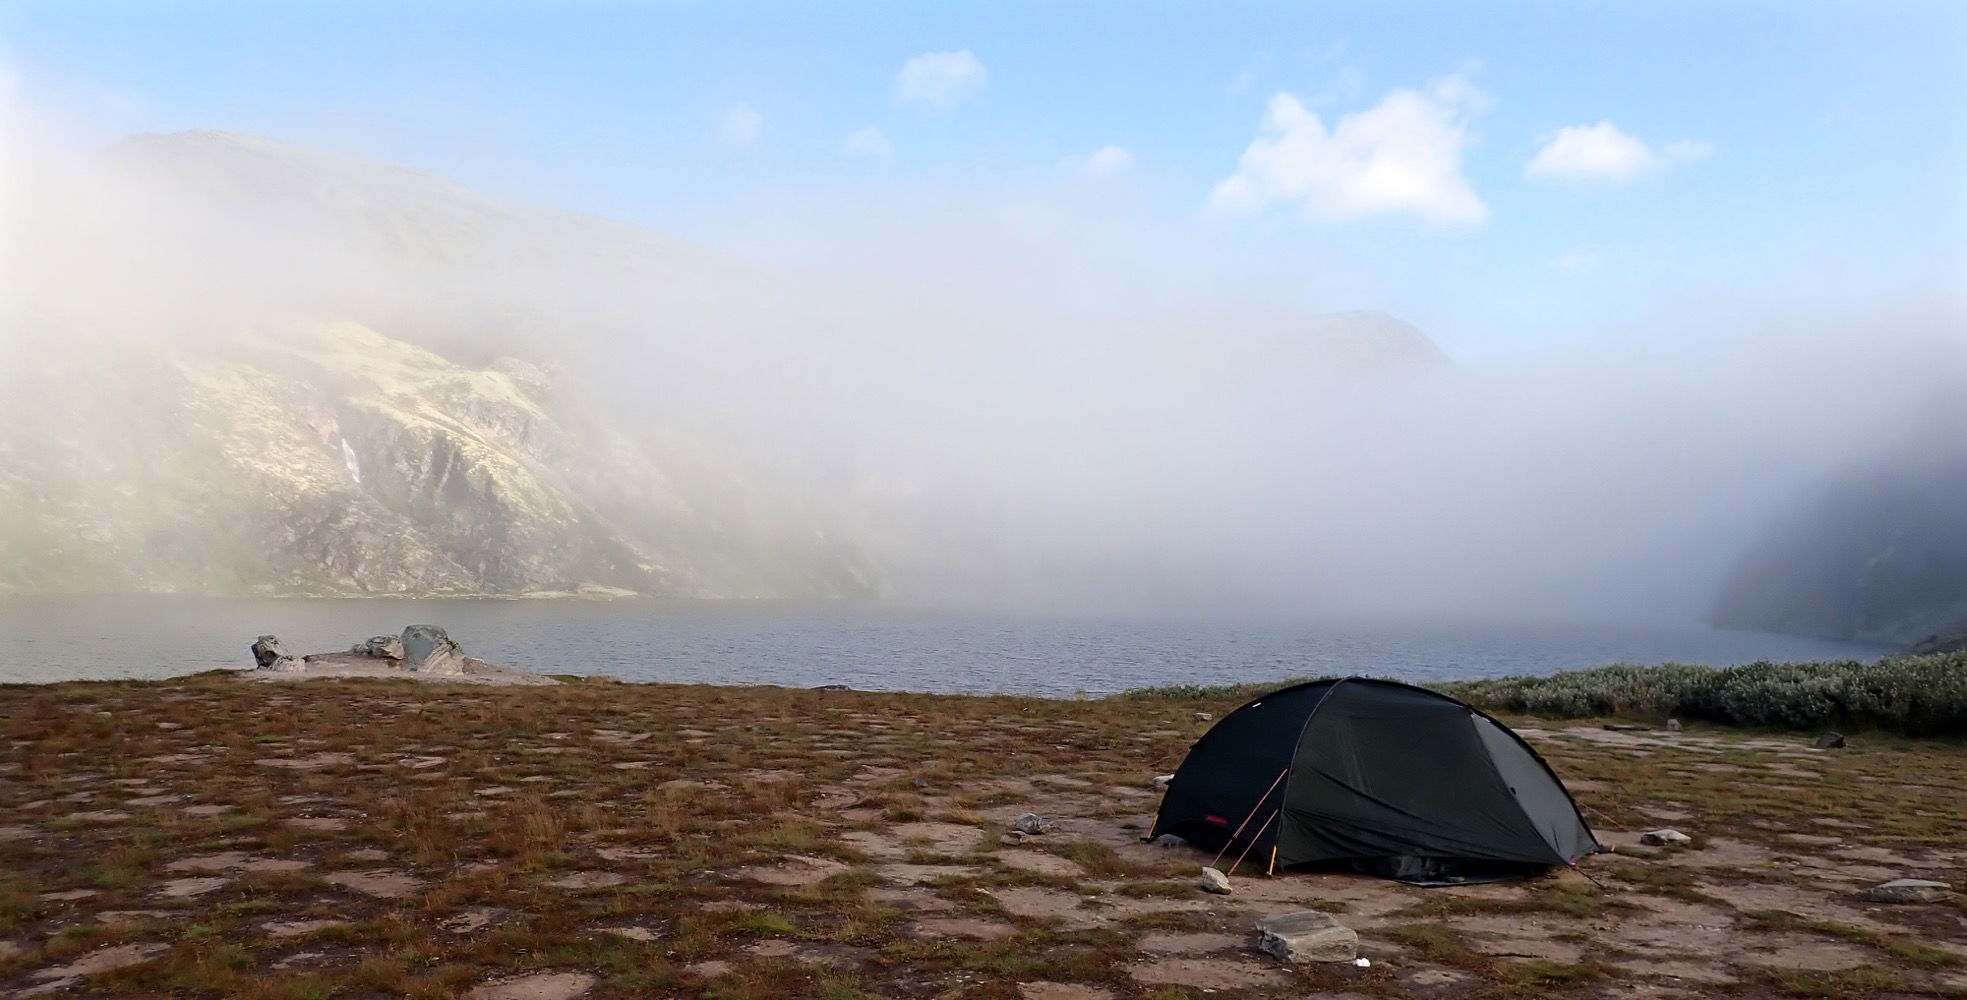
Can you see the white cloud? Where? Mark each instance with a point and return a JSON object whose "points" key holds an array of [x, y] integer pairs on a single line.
{"points": [[1403, 154], [940, 80], [1603, 152], [870, 142], [740, 126], [1102, 162]]}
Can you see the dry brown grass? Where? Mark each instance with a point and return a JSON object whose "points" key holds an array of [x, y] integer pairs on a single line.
{"points": [[521, 829]]}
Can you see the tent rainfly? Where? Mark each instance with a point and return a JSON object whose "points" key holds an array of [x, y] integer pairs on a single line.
{"points": [[1376, 776]]}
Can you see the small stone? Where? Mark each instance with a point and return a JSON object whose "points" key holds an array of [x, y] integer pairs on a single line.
{"points": [[1012, 838], [1307, 936], [1202, 717], [1908, 890], [1213, 881], [1665, 837], [1163, 780], [1829, 741], [1031, 824], [1673, 725]]}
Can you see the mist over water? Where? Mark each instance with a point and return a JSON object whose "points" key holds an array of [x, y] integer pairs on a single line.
{"points": [[996, 433]]}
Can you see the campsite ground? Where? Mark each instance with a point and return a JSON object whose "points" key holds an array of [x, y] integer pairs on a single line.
{"points": [[209, 837]]}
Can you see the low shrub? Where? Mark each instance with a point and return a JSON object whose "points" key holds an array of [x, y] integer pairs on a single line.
{"points": [[1911, 695]]}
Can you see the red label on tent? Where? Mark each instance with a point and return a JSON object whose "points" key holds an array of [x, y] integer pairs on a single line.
{"points": [[1218, 820]]}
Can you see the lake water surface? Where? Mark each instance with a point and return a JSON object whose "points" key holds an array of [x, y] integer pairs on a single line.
{"points": [[867, 646]]}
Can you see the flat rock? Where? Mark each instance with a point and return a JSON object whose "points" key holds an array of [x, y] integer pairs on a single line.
{"points": [[588, 880], [1207, 973], [1201, 943], [1665, 837], [185, 888], [633, 933], [383, 883], [1039, 864], [298, 928], [537, 986], [963, 927], [1307, 936], [903, 874], [795, 871], [1044, 990], [323, 824], [1908, 890], [99, 961]]}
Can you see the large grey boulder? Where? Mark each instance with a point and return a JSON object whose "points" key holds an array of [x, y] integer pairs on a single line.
{"points": [[382, 647], [1908, 890], [269, 654], [1307, 936], [428, 649]]}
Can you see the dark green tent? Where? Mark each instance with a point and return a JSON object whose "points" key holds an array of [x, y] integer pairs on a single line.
{"points": [[1375, 776]]}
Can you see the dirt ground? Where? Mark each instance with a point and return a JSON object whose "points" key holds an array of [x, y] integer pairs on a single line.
{"points": [[210, 837]]}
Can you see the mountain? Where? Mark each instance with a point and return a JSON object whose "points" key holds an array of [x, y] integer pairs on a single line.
{"points": [[1880, 556], [241, 366]]}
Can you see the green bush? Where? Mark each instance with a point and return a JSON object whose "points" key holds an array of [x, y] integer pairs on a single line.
{"points": [[1913, 695]]}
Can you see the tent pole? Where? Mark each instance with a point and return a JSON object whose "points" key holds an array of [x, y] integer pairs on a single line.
{"points": [[1272, 870], [1253, 841], [1261, 799]]}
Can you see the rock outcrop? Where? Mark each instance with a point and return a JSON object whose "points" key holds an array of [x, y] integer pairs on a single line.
{"points": [[422, 652], [428, 649], [269, 654]]}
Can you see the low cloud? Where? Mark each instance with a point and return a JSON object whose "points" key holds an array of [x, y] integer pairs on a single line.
{"points": [[1604, 152], [869, 142], [940, 80], [1102, 162], [1401, 156], [740, 126]]}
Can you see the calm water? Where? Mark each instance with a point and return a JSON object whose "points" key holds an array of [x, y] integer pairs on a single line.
{"points": [[864, 646]]}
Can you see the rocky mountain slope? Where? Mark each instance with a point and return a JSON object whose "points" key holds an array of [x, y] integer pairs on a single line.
{"points": [[336, 460]]}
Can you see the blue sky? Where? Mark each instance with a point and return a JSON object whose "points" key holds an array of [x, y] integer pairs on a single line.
{"points": [[1802, 154]]}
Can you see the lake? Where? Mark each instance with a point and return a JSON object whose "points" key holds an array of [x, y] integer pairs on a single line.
{"points": [[867, 646]]}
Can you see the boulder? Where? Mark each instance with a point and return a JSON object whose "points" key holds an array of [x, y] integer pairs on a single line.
{"points": [[1213, 881], [1307, 936], [1908, 890], [1202, 717], [428, 649], [1665, 838], [1829, 741], [269, 654], [382, 647], [1031, 824], [1673, 725], [1163, 780], [1013, 838]]}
